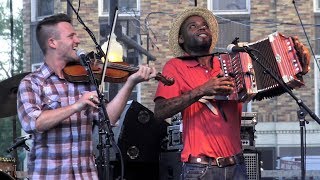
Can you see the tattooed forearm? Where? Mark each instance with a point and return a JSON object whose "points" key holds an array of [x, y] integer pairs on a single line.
{"points": [[165, 108]]}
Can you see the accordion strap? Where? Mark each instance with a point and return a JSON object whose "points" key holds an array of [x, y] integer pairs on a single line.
{"points": [[205, 101]]}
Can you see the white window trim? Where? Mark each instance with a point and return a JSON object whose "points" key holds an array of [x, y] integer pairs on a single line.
{"points": [[316, 86], [210, 5], [138, 89], [33, 10], [103, 14], [316, 5]]}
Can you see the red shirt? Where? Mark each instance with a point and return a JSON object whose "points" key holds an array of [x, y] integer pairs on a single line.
{"points": [[204, 133]]}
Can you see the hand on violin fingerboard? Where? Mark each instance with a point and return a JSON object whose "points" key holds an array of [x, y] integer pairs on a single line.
{"points": [[143, 74]]}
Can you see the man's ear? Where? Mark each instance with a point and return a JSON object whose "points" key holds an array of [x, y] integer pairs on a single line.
{"points": [[180, 39], [52, 43]]}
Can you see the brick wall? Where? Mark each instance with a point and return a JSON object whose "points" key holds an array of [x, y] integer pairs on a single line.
{"points": [[283, 18], [90, 17], [281, 108], [88, 13], [159, 24], [159, 14], [26, 35]]}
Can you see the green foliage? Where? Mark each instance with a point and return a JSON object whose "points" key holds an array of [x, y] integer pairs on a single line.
{"points": [[6, 134], [8, 66], [6, 141]]}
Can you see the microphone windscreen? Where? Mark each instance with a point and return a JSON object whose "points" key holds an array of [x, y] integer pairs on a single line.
{"points": [[81, 52], [229, 48]]}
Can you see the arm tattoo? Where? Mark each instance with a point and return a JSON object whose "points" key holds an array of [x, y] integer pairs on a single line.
{"points": [[165, 108]]}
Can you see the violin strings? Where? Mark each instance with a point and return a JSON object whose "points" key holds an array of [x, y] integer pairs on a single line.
{"points": [[122, 67]]}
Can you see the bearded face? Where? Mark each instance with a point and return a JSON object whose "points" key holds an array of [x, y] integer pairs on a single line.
{"points": [[195, 36]]}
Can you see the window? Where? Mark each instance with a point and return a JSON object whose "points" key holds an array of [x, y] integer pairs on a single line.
{"points": [[230, 6], [130, 28], [317, 62], [36, 53], [317, 33], [317, 85], [126, 7], [41, 8], [316, 5], [45, 7]]}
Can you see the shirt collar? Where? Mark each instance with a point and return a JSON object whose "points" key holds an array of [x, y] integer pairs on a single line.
{"points": [[190, 62], [46, 70]]}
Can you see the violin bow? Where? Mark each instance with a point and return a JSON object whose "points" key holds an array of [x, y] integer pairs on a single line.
{"points": [[105, 55], [98, 47]]}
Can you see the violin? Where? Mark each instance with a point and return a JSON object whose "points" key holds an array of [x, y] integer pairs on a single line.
{"points": [[116, 73]]}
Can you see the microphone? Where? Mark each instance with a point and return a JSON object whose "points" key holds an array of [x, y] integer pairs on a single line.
{"points": [[231, 48], [20, 142], [83, 57]]}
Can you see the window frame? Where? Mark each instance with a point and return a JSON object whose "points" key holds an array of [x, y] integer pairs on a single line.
{"points": [[106, 14], [109, 87], [317, 87], [229, 12], [316, 7]]}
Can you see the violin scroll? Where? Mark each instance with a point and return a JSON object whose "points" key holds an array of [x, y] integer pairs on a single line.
{"points": [[165, 80]]}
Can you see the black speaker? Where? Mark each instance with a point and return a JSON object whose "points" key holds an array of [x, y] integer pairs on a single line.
{"points": [[252, 160], [170, 165], [140, 135], [136, 133], [139, 138]]}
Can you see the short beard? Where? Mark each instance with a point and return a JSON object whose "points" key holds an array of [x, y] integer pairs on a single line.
{"points": [[201, 48]]}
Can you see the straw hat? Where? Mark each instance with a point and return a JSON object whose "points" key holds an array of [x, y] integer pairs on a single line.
{"points": [[176, 24]]}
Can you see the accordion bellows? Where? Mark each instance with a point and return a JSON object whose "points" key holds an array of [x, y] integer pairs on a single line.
{"points": [[277, 54]]}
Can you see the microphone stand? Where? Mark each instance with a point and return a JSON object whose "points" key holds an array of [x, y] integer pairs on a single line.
{"points": [[301, 112], [20, 142], [301, 115], [104, 129]]}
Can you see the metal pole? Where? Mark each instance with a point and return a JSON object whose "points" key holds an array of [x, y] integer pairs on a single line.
{"points": [[14, 127], [11, 39]]}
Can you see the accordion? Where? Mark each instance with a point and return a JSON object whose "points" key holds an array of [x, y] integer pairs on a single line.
{"points": [[277, 54]]}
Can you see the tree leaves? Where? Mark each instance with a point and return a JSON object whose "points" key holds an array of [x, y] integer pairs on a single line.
{"points": [[10, 66]]}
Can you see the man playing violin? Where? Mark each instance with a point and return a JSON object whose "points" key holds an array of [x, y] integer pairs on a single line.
{"points": [[59, 114], [211, 131]]}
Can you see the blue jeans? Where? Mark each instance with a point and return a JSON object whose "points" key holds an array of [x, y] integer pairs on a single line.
{"points": [[192, 171]]}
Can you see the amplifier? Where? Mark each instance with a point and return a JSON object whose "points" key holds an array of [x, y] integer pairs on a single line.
{"points": [[173, 140], [175, 136], [252, 159], [248, 122]]}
